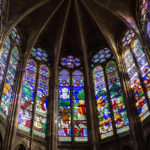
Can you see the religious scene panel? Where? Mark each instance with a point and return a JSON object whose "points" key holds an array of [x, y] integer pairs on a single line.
{"points": [[136, 86], [117, 98], [64, 107], [4, 59], [41, 102], [103, 108], [28, 96], [79, 107], [9, 83]]}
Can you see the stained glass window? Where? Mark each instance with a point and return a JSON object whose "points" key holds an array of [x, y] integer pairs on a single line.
{"points": [[134, 53], [4, 59], [9, 57], [41, 102], [15, 35], [103, 108], [144, 10], [145, 17], [117, 99], [64, 107], [70, 62], [35, 91], [148, 30], [28, 94], [9, 83], [79, 107], [128, 37], [108, 93], [72, 120]]}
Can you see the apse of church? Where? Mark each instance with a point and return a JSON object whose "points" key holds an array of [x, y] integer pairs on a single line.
{"points": [[74, 75]]}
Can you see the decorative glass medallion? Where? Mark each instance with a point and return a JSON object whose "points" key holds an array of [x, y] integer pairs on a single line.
{"points": [[102, 55], [70, 62], [15, 35], [40, 54]]}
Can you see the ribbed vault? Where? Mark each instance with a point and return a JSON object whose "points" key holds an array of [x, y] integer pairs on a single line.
{"points": [[54, 24]]}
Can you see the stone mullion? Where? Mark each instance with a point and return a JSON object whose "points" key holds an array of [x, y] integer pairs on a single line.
{"points": [[92, 135], [72, 112], [49, 111], [135, 124], [58, 47], [34, 105], [54, 119], [13, 118], [2, 45], [87, 78]]}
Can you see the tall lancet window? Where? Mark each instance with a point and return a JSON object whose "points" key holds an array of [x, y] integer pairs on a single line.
{"points": [[138, 71], [9, 57], [145, 17], [35, 90], [72, 119], [111, 111]]}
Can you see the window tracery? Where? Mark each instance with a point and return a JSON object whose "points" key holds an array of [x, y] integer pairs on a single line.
{"points": [[35, 91], [72, 119], [109, 95]]}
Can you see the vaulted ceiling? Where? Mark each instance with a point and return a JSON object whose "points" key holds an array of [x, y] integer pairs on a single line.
{"points": [[69, 26]]}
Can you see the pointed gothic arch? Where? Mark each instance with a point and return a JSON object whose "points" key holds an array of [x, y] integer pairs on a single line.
{"points": [[9, 61], [35, 92], [72, 117], [138, 70], [111, 110]]}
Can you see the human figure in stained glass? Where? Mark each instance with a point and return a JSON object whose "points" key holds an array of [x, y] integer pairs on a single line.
{"points": [[114, 94], [66, 97], [35, 96]]}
